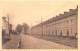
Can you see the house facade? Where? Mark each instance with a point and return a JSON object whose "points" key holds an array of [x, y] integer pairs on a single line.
{"points": [[61, 25]]}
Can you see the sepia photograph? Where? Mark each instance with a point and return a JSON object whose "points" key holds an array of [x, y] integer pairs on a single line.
{"points": [[39, 24]]}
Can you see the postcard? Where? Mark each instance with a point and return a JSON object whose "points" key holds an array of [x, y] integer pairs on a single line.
{"points": [[43, 24]]}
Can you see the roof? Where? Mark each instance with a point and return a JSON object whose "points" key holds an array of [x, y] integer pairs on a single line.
{"points": [[60, 16]]}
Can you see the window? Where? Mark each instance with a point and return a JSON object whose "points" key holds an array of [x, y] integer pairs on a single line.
{"points": [[67, 32], [61, 33], [75, 35], [56, 32]]}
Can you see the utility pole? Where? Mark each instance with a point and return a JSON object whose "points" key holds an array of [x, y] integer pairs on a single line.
{"points": [[31, 28], [42, 25]]}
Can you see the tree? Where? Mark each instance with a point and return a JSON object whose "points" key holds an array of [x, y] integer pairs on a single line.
{"points": [[19, 28], [25, 28]]}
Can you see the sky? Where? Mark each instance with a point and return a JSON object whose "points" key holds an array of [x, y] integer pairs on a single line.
{"points": [[31, 11]]}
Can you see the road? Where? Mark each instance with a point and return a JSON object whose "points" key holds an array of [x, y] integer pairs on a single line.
{"points": [[30, 42]]}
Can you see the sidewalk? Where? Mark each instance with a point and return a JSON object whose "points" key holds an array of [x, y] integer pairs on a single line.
{"points": [[13, 43]]}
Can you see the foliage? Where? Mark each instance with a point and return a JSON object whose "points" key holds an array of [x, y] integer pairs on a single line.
{"points": [[25, 28], [19, 28]]}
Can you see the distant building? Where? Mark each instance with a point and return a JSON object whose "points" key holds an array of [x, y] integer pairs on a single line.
{"points": [[62, 25]]}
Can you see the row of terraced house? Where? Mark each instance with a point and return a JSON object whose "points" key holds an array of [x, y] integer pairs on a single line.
{"points": [[62, 25]]}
